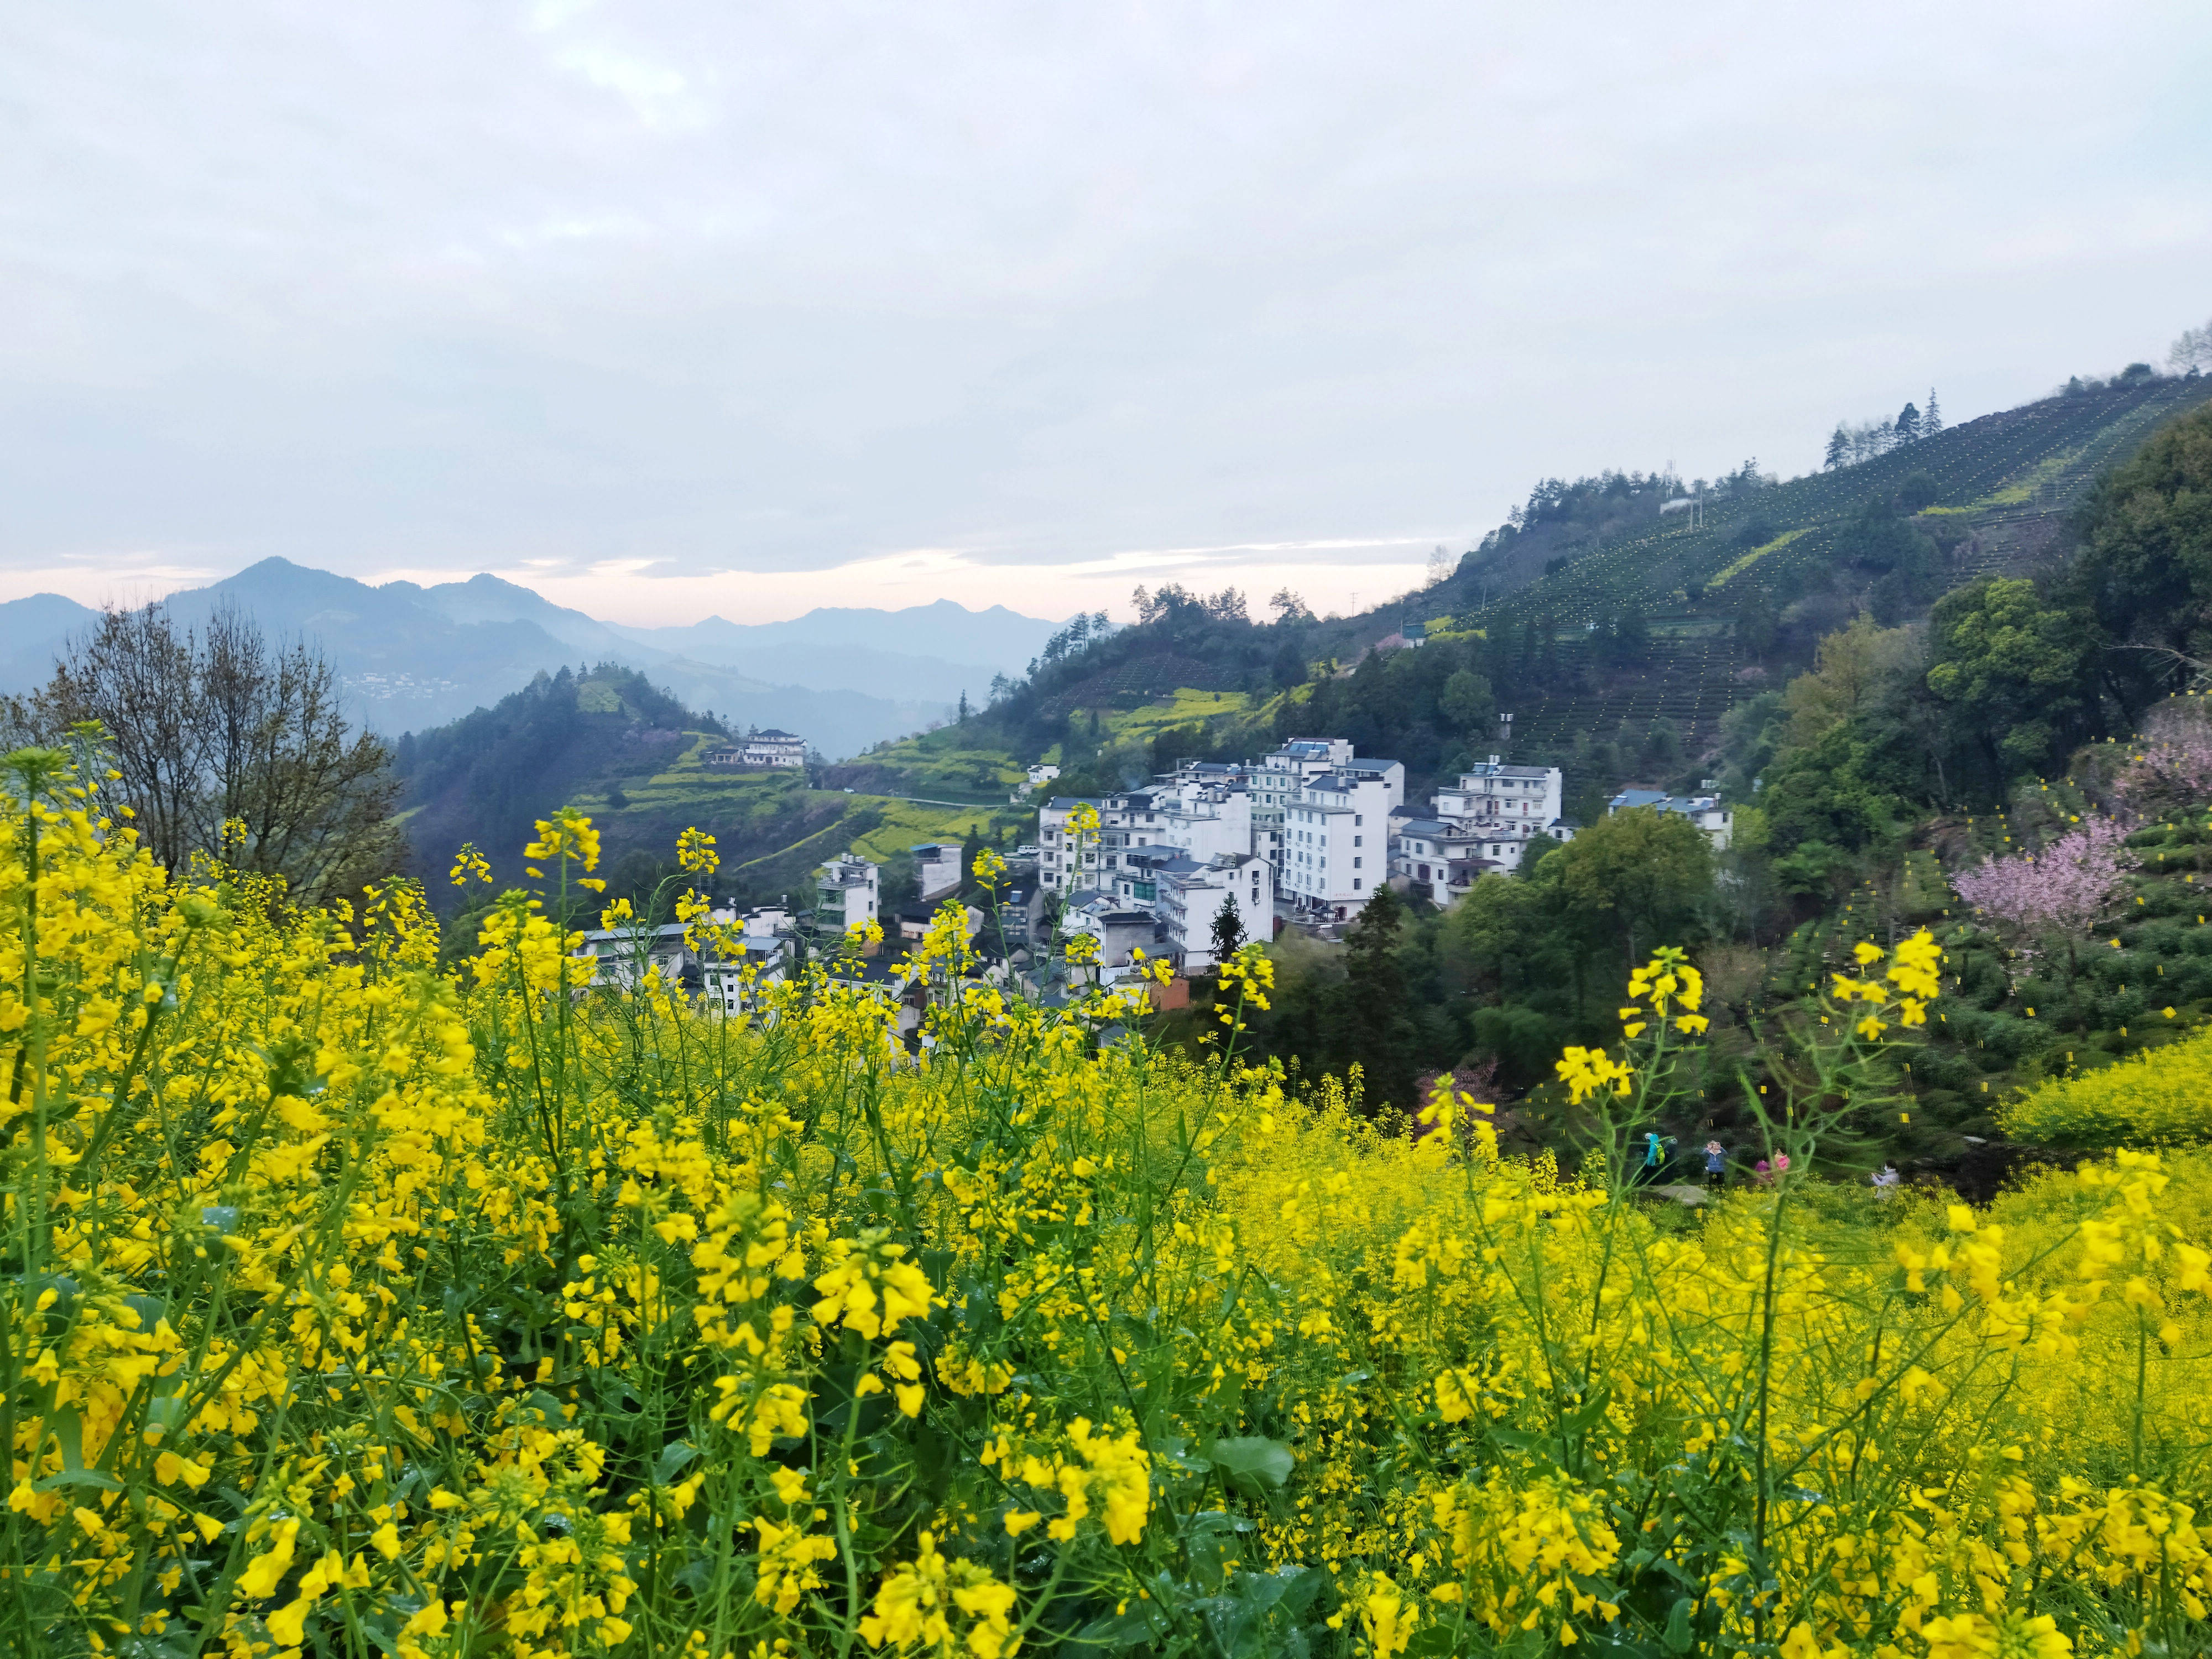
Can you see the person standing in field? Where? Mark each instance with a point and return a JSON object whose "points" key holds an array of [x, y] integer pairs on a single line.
{"points": [[1715, 1164]]}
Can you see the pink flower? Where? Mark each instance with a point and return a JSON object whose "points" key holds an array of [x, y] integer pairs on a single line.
{"points": [[2063, 888]]}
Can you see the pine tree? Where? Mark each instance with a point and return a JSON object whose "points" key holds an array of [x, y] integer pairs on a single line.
{"points": [[1908, 425], [1228, 928], [1932, 422], [964, 705], [1839, 447]]}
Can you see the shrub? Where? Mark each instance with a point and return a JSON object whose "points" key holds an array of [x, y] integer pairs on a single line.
{"points": [[2159, 1097]]}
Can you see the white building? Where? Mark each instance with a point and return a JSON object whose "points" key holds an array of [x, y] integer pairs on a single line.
{"points": [[936, 864], [1524, 800], [1704, 811], [1201, 817], [1189, 895], [1336, 839], [764, 751], [1121, 929], [846, 894], [1275, 781], [1062, 864], [737, 970], [734, 960]]}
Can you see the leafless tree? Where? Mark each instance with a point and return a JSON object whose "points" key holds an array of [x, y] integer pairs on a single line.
{"points": [[224, 728], [2192, 350]]}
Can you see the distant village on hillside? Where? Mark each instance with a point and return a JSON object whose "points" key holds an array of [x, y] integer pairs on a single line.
{"points": [[1183, 868]]}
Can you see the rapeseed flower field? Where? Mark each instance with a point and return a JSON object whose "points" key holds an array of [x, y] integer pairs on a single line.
{"points": [[353, 1308]]}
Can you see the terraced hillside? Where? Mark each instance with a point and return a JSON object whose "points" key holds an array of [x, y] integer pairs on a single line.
{"points": [[2004, 484]]}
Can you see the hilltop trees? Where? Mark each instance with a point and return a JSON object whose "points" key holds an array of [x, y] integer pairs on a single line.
{"points": [[1848, 445]]}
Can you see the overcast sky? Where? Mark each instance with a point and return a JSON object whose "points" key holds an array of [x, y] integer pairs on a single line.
{"points": [[685, 308]]}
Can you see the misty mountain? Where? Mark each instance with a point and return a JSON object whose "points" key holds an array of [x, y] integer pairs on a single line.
{"points": [[33, 632], [872, 651], [414, 657], [973, 644]]}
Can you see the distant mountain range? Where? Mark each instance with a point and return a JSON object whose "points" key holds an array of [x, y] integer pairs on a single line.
{"points": [[414, 657]]}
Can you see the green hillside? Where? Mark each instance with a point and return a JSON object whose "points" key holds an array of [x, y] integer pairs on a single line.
{"points": [[981, 762], [607, 741], [2004, 485]]}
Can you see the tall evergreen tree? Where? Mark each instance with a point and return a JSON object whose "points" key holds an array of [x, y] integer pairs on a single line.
{"points": [[1932, 422], [1373, 1028], [1228, 929], [1908, 425], [1839, 447]]}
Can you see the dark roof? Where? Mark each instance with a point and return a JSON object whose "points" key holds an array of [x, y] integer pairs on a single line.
{"points": [[1430, 827], [790, 737]]}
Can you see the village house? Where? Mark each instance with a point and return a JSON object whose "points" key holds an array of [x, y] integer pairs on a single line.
{"points": [[1704, 811], [762, 751], [723, 959], [1498, 808], [936, 865], [1189, 897], [1336, 838], [847, 893]]}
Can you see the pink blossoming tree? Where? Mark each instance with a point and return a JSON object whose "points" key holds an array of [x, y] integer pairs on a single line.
{"points": [[2171, 765], [2061, 889]]}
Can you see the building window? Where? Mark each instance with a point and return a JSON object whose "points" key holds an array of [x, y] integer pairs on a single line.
{"points": [[1355, 883]]}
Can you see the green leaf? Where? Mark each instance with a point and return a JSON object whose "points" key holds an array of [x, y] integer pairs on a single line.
{"points": [[1250, 1461], [1678, 1635], [670, 1464]]}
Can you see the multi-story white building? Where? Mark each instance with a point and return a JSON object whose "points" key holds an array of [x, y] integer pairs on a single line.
{"points": [[1203, 819], [1524, 800], [1275, 781], [1336, 839], [1189, 895], [1704, 811], [847, 892], [1063, 863], [1499, 807], [726, 959]]}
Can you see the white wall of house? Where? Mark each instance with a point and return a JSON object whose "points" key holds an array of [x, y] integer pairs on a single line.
{"points": [[1526, 799], [847, 892], [1189, 900], [938, 865], [1336, 843], [1706, 812]]}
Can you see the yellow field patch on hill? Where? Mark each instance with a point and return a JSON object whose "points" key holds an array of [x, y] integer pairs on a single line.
{"points": [[1755, 556]]}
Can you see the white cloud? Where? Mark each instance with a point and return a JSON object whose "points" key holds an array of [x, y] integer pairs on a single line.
{"points": [[781, 288]]}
